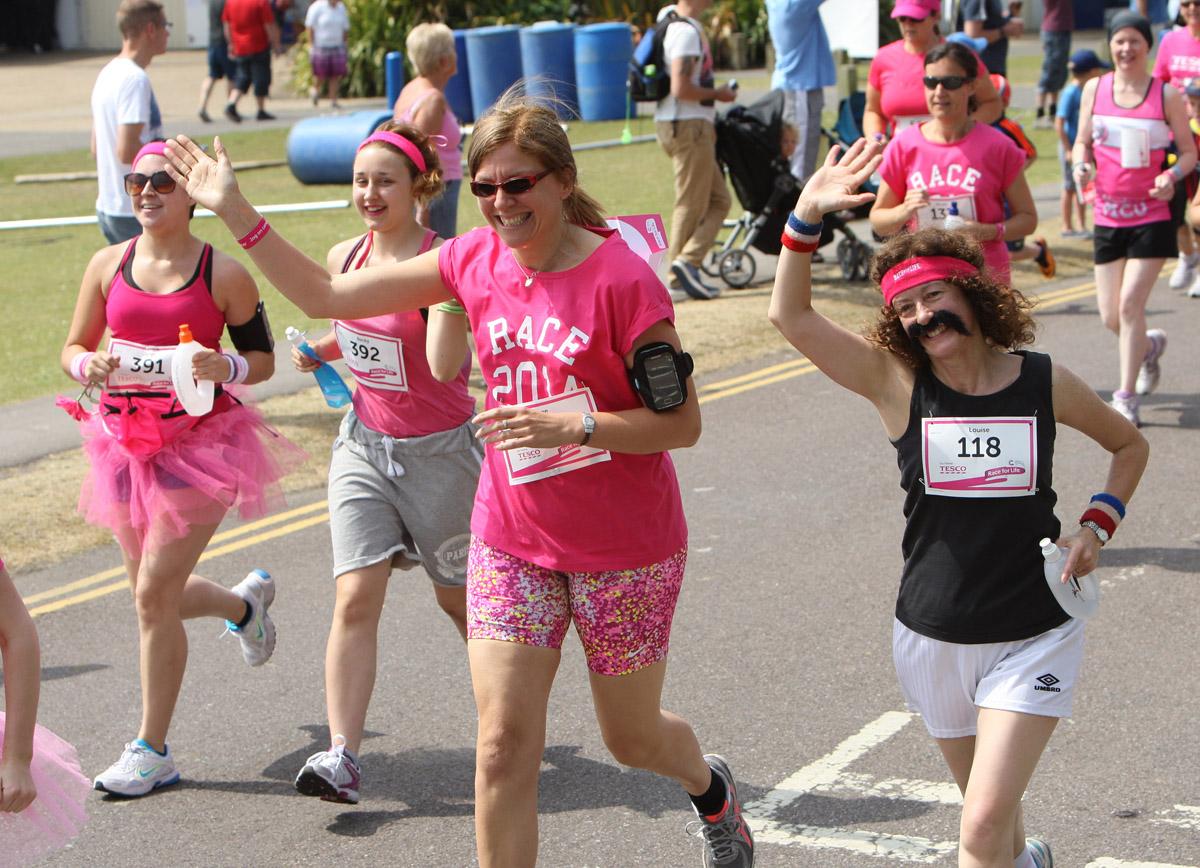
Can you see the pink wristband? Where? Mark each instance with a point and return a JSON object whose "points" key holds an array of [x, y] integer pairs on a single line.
{"points": [[255, 235], [78, 364]]}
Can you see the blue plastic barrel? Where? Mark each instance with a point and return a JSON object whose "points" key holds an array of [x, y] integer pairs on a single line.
{"points": [[393, 72], [602, 54], [458, 88], [321, 150], [548, 52], [494, 55]]}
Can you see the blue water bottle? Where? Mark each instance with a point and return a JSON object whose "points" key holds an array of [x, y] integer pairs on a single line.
{"points": [[333, 387]]}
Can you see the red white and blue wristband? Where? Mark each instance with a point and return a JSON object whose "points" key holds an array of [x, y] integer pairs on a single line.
{"points": [[801, 237]]}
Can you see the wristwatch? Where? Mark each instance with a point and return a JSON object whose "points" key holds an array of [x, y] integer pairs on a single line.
{"points": [[1101, 533], [589, 428]]}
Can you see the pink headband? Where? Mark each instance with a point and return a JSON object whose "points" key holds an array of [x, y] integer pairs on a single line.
{"points": [[406, 147], [922, 269], [150, 148]]}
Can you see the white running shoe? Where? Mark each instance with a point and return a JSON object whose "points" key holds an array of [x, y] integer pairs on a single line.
{"points": [[1150, 371], [1185, 271], [1127, 407], [334, 775], [258, 636], [140, 770], [1194, 289]]}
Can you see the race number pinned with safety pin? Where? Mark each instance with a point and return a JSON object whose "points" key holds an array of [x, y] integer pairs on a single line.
{"points": [[375, 360], [142, 367], [980, 457], [934, 214], [527, 464]]}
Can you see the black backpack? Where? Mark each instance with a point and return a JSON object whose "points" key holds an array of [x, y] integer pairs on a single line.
{"points": [[649, 74]]}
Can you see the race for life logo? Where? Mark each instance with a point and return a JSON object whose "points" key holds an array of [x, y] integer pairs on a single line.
{"points": [[452, 556]]}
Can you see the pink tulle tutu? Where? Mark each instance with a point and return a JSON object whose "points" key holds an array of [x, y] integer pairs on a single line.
{"points": [[182, 471], [57, 814]]}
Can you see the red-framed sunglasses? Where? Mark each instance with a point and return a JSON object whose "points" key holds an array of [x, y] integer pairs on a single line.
{"points": [[513, 186], [135, 183]]}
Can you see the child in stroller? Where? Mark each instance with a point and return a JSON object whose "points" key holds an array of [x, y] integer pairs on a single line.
{"points": [[750, 147]]}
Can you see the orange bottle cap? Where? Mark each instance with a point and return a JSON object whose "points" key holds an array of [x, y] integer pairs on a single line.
{"points": [[185, 333]]}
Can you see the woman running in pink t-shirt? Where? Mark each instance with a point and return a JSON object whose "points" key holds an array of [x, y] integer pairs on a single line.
{"points": [[895, 100], [953, 161], [1127, 120], [405, 464], [1178, 64], [578, 518]]}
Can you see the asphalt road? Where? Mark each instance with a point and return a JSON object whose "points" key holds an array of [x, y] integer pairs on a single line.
{"points": [[781, 659]]}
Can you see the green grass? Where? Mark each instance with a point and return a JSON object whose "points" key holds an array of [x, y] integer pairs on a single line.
{"points": [[40, 269]]}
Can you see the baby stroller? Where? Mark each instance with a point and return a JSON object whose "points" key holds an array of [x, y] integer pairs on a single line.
{"points": [[748, 147]]}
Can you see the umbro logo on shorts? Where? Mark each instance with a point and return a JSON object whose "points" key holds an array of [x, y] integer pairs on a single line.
{"points": [[1047, 683]]}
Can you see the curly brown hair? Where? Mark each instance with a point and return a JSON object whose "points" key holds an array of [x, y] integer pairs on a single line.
{"points": [[428, 184], [1003, 313]]}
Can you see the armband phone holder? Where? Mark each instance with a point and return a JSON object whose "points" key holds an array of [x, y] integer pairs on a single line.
{"points": [[659, 374]]}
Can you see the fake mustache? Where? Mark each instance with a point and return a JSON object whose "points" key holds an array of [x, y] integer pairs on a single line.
{"points": [[916, 331]]}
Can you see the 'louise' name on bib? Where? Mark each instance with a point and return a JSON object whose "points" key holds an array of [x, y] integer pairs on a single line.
{"points": [[980, 457]]}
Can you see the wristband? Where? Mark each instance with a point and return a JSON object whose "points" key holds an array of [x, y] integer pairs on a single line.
{"points": [[798, 246], [451, 307], [1111, 500], [239, 368], [1000, 231], [255, 235], [1101, 518], [78, 364], [801, 228]]}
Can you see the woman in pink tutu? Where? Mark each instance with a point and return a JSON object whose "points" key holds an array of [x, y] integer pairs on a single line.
{"points": [[161, 479], [42, 790]]}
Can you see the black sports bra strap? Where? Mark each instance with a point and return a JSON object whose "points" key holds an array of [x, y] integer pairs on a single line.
{"points": [[354, 252], [125, 269], [206, 259]]}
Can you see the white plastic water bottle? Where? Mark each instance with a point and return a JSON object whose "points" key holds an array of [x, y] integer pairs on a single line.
{"points": [[333, 387], [1079, 597], [196, 396], [953, 220]]}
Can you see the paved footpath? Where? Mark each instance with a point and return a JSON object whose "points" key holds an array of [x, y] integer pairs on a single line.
{"points": [[781, 658]]}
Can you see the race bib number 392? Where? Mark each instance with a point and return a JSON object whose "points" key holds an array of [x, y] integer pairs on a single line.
{"points": [[980, 457]]}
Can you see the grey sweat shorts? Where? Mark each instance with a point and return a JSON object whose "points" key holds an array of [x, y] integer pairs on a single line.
{"points": [[403, 499]]}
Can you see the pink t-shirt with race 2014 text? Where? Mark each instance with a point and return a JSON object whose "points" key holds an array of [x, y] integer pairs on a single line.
{"points": [[1178, 58], [973, 173], [565, 331], [898, 76]]}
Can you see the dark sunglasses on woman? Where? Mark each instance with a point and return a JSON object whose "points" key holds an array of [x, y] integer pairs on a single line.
{"points": [[950, 82], [135, 182], [513, 186]]}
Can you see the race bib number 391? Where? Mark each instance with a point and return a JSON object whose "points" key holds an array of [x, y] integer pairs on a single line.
{"points": [[980, 457]]}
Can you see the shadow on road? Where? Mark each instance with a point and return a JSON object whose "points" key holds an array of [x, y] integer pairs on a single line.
{"points": [[55, 673], [1179, 560]]}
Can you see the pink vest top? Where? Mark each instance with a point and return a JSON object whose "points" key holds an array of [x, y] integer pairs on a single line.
{"points": [[448, 153], [1130, 147], [397, 394]]}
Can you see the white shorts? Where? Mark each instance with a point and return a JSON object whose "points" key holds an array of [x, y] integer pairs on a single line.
{"points": [[947, 683]]}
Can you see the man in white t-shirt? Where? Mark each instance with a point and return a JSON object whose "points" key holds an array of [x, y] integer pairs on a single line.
{"points": [[684, 126], [125, 114], [327, 22]]}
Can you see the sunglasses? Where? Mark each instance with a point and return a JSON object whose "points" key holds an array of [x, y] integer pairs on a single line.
{"points": [[513, 186], [1185, 3], [950, 82], [135, 183]]}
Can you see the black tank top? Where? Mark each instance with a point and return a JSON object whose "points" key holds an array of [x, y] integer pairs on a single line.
{"points": [[972, 566]]}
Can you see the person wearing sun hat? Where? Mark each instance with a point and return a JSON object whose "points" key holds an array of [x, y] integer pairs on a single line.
{"points": [[895, 98], [975, 622]]}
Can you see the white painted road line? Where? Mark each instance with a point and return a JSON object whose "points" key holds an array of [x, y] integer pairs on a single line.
{"points": [[1106, 862], [829, 773], [1189, 818]]}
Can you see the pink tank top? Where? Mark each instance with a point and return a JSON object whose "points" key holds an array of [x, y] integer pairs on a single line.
{"points": [[449, 154], [397, 394], [1130, 148]]}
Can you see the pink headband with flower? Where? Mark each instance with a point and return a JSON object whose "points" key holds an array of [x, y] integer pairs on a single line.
{"points": [[922, 269], [398, 141]]}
